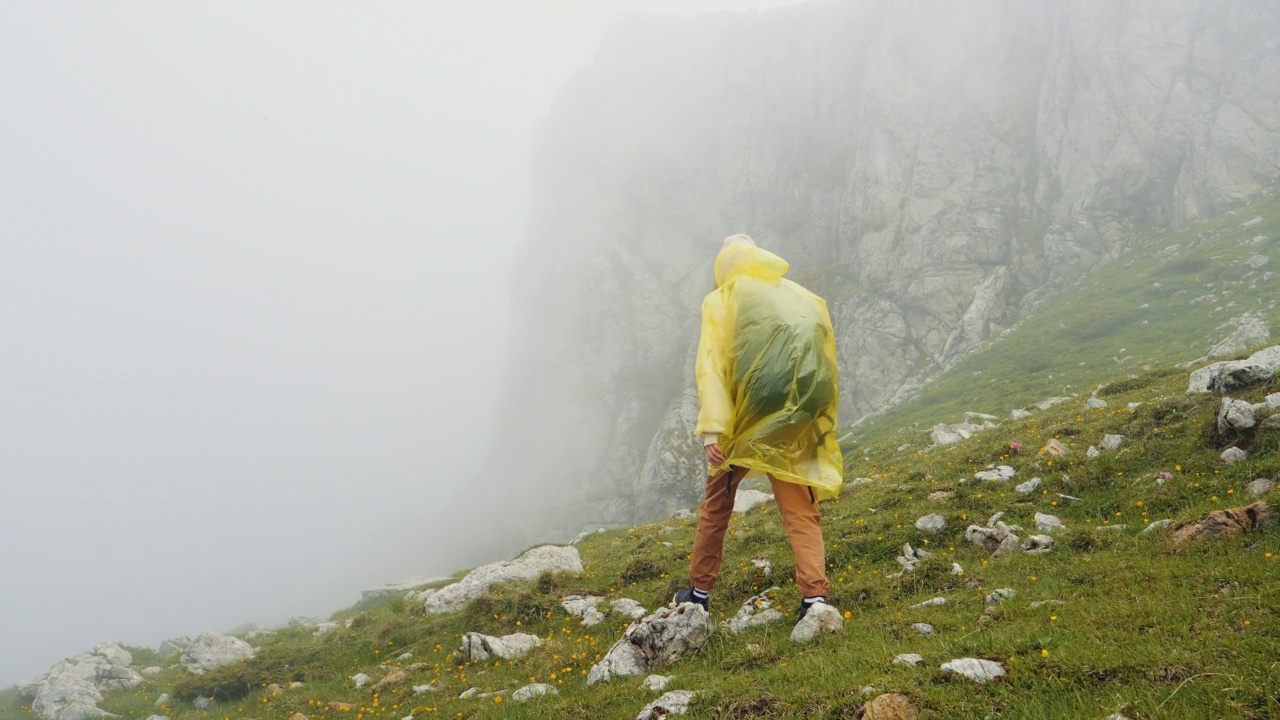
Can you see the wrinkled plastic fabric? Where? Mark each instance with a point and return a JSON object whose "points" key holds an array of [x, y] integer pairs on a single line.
{"points": [[766, 371]]}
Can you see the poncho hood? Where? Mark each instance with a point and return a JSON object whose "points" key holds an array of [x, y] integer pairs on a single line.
{"points": [[742, 259]]}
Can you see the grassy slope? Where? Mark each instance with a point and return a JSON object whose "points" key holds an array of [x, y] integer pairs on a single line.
{"points": [[1144, 630]]}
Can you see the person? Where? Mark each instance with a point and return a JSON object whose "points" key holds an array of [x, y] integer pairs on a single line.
{"points": [[766, 374]]}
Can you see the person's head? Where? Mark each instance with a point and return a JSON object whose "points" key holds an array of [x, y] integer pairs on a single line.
{"points": [[739, 238]]}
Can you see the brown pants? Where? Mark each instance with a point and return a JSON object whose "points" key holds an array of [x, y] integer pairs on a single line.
{"points": [[800, 518]]}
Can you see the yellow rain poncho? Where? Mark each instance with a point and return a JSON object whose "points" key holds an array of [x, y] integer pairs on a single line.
{"points": [[766, 372]]}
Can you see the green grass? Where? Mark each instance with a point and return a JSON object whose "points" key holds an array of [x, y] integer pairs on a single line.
{"points": [[1143, 629]]}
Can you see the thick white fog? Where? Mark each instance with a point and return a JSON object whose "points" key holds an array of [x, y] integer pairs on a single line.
{"points": [[254, 271]]}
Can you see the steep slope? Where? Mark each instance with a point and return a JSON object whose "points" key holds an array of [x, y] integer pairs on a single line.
{"points": [[1133, 625], [936, 170]]}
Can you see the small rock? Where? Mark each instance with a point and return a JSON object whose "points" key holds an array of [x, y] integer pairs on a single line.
{"points": [[1257, 262], [152, 671], [1000, 473], [908, 659], [393, 678], [1255, 489], [890, 706], [529, 566], [360, 680], [989, 616], [931, 602], [1111, 442], [421, 689], [404, 656], [755, 612], [1270, 423], [998, 541], [931, 523], [656, 683], [923, 628], [1116, 716], [1053, 448], [529, 692], [1233, 455], [160, 701], [1095, 403], [212, 650], [592, 617], [675, 702], [1001, 594], [295, 685], [1119, 527], [479, 648], [469, 692], [747, 499], [941, 495], [869, 690], [1029, 486], [1019, 414], [1042, 603], [628, 607], [1235, 415], [1092, 452], [1133, 406], [202, 703], [576, 605], [763, 565], [821, 618], [1157, 525], [1037, 545], [1049, 523], [298, 716], [956, 569], [974, 669]]}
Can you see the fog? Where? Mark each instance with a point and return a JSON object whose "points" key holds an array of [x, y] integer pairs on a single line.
{"points": [[255, 271]]}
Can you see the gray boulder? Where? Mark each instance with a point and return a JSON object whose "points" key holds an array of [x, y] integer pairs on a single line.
{"points": [[1233, 455], [1029, 486], [656, 683], [174, 645], [998, 541], [1111, 442], [923, 628], [655, 642], [546, 558], [1259, 487], [1235, 415], [675, 702], [212, 650], [1049, 523], [820, 618], [757, 611], [480, 648], [999, 473], [1227, 376], [72, 688], [931, 523], [1095, 403], [975, 669], [529, 692], [628, 607], [746, 500], [907, 659]]}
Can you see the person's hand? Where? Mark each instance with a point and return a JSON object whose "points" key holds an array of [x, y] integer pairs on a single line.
{"points": [[715, 456]]}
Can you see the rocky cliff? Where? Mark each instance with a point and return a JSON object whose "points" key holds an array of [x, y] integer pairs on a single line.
{"points": [[936, 170]]}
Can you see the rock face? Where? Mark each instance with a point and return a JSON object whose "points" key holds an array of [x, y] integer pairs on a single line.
{"points": [[212, 650], [655, 642], [547, 558], [755, 612], [72, 689], [936, 171], [1235, 415], [1227, 376]]}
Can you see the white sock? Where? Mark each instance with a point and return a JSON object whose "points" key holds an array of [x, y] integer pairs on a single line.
{"points": [[701, 594], [812, 600]]}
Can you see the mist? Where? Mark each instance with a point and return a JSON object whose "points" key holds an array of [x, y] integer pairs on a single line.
{"points": [[256, 271]]}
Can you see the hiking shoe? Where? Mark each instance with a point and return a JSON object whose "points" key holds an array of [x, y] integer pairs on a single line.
{"points": [[805, 605], [687, 595]]}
